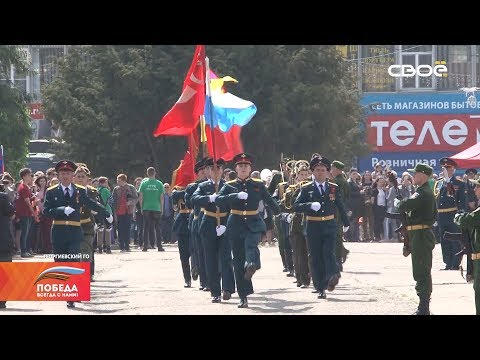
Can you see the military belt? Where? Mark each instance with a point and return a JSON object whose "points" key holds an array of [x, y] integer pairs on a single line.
{"points": [[476, 256], [244, 212], [85, 221], [447, 210], [184, 211], [66, 222], [320, 218], [214, 214], [418, 227]]}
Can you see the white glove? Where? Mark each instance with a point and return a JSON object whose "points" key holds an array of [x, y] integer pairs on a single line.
{"points": [[456, 217], [289, 218], [110, 219], [221, 229], [345, 228], [315, 206], [242, 195], [349, 213], [212, 198], [435, 224], [94, 212], [396, 202], [68, 210]]}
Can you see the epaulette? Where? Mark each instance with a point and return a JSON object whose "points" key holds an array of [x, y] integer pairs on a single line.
{"points": [[231, 181], [80, 186], [307, 183], [332, 183], [52, 187], [92, 188], [283, 183], [257, 180]]}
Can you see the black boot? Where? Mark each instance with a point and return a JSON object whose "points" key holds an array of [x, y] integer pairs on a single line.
{"points": [[423, 306], [282, 255], [289, 262], [186, 272]]}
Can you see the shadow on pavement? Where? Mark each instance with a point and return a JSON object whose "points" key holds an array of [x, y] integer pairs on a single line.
{"points": [[347, 300], [107, 303], [362, 272], [274, 291], [18, 309]]}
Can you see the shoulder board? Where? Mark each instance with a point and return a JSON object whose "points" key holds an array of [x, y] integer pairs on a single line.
{"points": [[283, 183], [231, 181], [90, 187], [80, 186], [307, 183], [440, 178], [292, 186], [477, 209], [332, 183], [257, 180], [52, 187]]}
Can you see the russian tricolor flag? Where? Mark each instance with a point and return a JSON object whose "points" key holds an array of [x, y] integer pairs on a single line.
{"points": [[223, 109]]}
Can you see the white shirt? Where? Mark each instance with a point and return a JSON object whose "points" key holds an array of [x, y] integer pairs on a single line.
{"points": [[381, 198], [323, 185], [70, 189]]}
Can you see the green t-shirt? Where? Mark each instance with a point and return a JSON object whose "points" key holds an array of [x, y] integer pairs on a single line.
{"points": [[104, 196], [151, 190]]}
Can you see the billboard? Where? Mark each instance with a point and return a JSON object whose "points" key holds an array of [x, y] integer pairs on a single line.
{"points": [[403, 129]]}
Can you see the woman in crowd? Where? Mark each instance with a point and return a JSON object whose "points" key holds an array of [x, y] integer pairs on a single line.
{"points": [[367, 221], [44, 244], [379, 207]]}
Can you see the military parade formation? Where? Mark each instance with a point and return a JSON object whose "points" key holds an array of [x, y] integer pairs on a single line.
{"points": [[220, 223]]}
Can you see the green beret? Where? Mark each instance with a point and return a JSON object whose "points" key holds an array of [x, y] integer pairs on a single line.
{"points": [[423, 168], [338, 164]]}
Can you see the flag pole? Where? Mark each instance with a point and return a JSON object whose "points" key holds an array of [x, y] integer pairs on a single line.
{"points": [[212, 136]]}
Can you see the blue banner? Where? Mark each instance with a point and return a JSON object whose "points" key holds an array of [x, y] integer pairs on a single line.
{"points": [[401, 161], [420, 103]]}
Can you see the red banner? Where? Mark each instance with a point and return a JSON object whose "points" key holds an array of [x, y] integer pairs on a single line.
{"points": [[45, 281], [422, 133]]}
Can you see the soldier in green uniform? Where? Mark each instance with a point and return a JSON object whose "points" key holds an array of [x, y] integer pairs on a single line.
{"points": [[244, 224], [87, 219], [337, 172], [63, 203], [470, 221], [275, 187], [421, 213]]}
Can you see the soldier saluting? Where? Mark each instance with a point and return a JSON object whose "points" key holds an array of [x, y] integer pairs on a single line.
{"points": [[421, 214], [319, 200], [63, 203], [245, 225]]}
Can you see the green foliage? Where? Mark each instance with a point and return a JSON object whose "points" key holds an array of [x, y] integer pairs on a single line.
{"points": [[107, 100], [14, 119]]}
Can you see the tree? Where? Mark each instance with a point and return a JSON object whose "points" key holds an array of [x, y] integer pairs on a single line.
{"points": [[14, 118], [108, 99]]}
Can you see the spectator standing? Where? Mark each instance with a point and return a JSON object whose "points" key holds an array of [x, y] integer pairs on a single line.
{"points": [[124, 199], [24, 210], [151, 201], [167, 215]]}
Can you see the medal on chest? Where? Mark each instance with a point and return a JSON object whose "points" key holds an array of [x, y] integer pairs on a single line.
{"points": [[332, 193]]}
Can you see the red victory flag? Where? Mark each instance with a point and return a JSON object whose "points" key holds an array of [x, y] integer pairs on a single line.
{"points": [[184, 174], [227, 144], [183, 117]]}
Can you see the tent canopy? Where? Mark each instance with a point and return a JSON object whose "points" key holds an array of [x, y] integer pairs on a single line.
{"points": [[468, 158]]}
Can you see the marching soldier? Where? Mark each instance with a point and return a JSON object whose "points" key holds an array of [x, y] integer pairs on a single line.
{"points": [[196, 247], [319, 200], [278, 185], [421, 214], [344, 189], [245, 225], [86, 218], [218, 252], [471, 223], [180, 228], [450, 193], [297, 237], [470, 189], [63, 202]]}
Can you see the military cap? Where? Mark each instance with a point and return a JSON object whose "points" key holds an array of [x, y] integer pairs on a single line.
{"points": [[65, 165], [220, 162], [199, 165], [243, 158], [338, 164], [320, 160], [473, 181], [423, 168], [471, 171], [447, 162]]}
